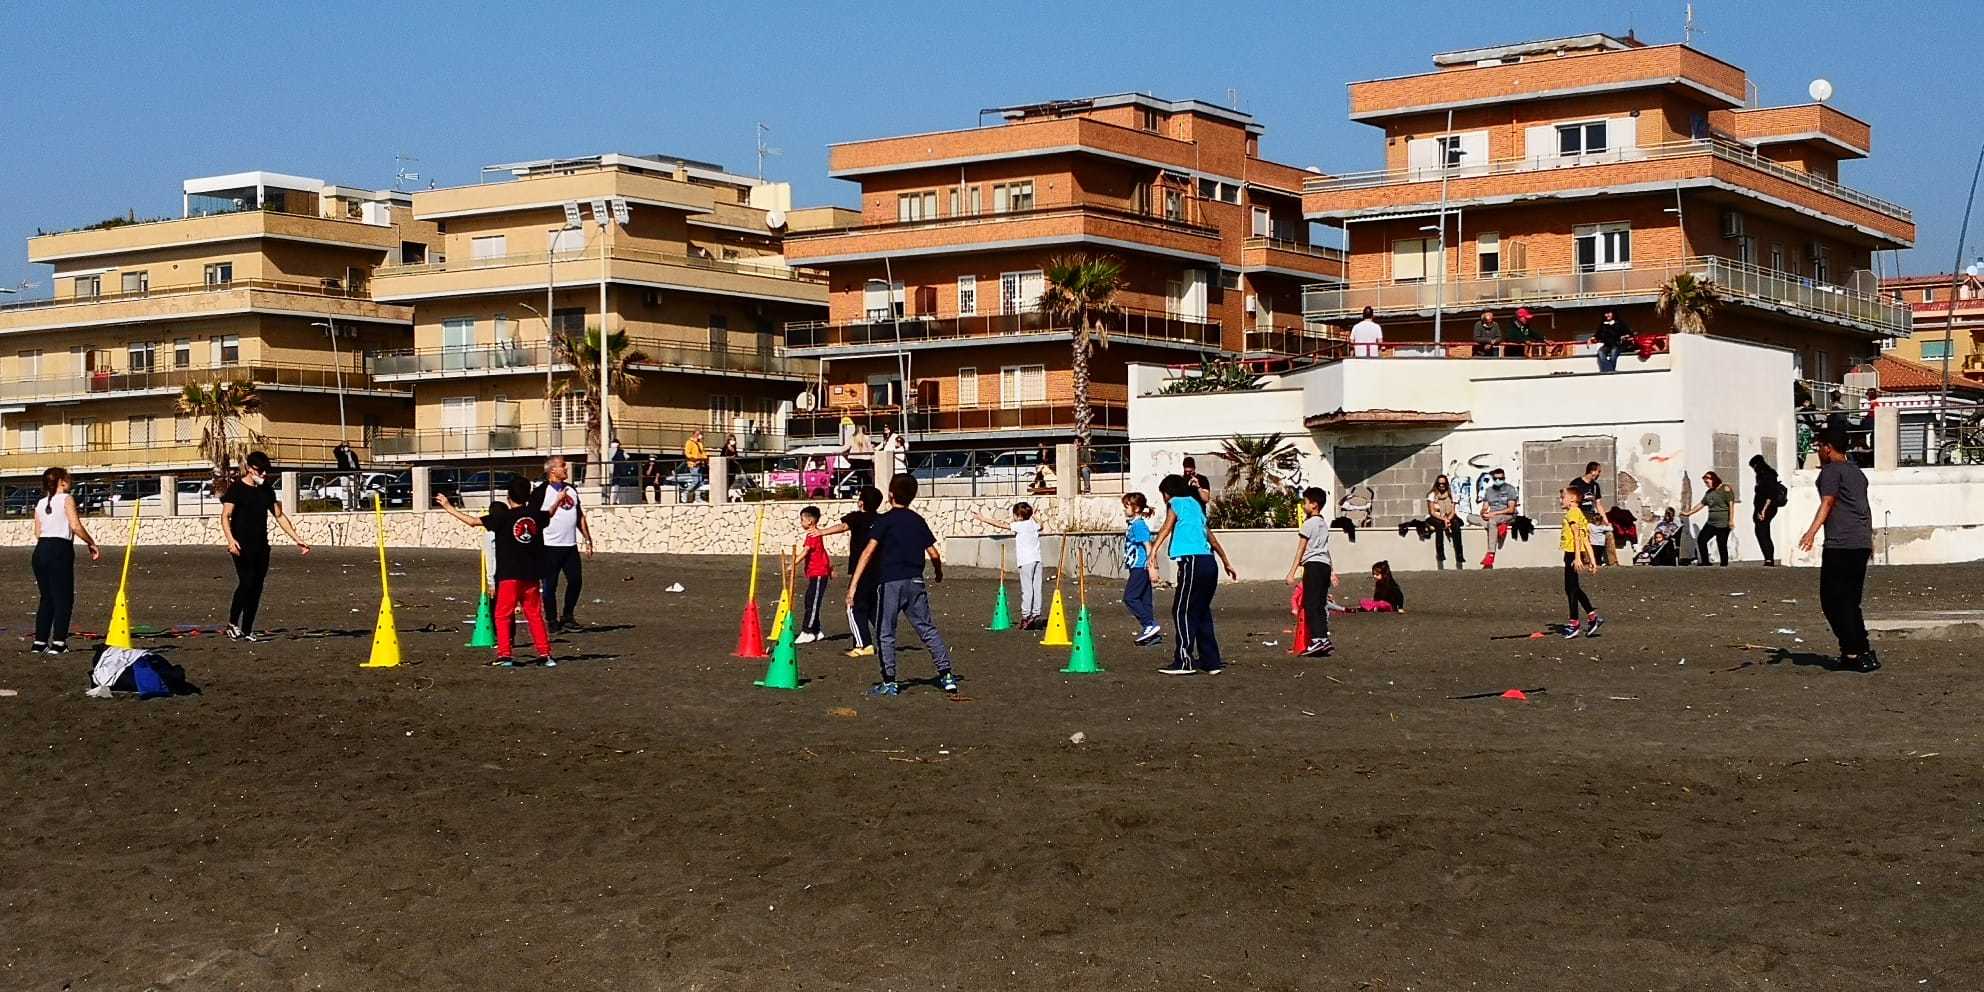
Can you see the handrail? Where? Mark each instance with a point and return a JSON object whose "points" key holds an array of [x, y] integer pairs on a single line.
{"points": [[259, 373], [1127, 322], [519, 355], [1039, 209], [1296, 247], [772, 268], [270, 285], [1727, 151]]}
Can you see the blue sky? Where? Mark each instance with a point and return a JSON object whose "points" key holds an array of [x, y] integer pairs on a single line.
{"points": [[111, 105]]}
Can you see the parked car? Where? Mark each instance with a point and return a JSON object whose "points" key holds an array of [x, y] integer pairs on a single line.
{"points": [[829, 474], [1016, 468], [475, 491], [937, 466], [336, 488], [679, 480]]}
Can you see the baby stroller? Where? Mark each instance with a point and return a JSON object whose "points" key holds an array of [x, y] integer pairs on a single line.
{"points": [[1662, 548]]}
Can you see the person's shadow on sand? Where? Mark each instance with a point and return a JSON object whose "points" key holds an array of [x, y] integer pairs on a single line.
{"points": [[1810, 659]]}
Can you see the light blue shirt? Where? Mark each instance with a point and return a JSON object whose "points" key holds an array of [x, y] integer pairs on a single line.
{"points": [[1188, 534], [1136, 544]]}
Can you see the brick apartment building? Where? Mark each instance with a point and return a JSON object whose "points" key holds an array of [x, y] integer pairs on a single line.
{"points": [[956, 228], [1576, 173], [245, 286]]}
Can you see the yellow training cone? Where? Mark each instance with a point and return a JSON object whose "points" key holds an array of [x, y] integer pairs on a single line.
{"points": [[783, 615], [385, 636], [119, 634], [1057, 625]]}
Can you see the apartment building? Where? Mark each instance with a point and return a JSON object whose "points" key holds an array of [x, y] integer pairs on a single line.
{"points": [[1579, 173], [1929, 299], [934, 291], [263, 279], [681, 256]]}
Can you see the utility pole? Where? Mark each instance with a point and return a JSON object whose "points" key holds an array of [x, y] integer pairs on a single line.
{"points": [[1949, 321], [1440, 288]]}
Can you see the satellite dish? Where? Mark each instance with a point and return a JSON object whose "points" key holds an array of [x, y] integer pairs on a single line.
{"points": [[805, 401], [774, 219], [1821, 90]]}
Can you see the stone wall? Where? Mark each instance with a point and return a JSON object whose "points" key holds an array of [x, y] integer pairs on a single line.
{"points": [[1549, 466], [688, 529], [1399, 477]]}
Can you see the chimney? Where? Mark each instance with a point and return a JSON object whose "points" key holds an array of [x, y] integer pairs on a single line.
{"points": [[681, 171]]}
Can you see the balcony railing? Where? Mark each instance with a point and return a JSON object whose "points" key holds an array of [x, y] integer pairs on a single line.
{"points": [[46, 388], [768, 268], [825, 425], [1723, 150], [1130, 323], [1297, 247], [1287, 334], [1733, 280], [522, 357], [96, 456], [327, 288], [1188, 208], [522, 440]]}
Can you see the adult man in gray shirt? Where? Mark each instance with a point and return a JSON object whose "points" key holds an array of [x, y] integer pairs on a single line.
{"points": [[1499, 504], [1849, 525], [1487, 335]]}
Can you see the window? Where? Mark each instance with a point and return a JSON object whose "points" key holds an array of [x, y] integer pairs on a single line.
{"points": [[1020, 385], [1581, 139], [1208, 188], [1229, 192], [881, 302], [89, 287], [142, 356], [725, 411], [229, 348], [1821, 262], [182, 353], [457, 333], [1149, 119], [967, 296], [1746, 250], [1174, 204], [916, 206], [967, 387], [965, 201], [220, 273], [138, 431], [1488, 254], [1416, 260], [1777, 258], [506, 332], [1928, 295], [1229, 279], [30, 363], [565, 239], [1604, 246], [30, 436], [1451, 153], [568, 320], [1012, 197], [719, 333], [182, 429], [568, 409], [136, 282], [1019, 292], [489, 246], [458, 413], [1935, 350], [1263, 222]]}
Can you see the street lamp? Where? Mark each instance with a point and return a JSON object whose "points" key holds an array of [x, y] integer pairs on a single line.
{"points": [[548, 352], [330, 326], [902, 357]]}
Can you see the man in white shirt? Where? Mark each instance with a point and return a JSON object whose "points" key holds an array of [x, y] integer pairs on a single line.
{"points": [[1367, 338], [560, 498]]}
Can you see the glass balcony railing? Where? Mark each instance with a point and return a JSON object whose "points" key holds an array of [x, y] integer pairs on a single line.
{"points": [[108, 383], [919, 328], [521, 357]]}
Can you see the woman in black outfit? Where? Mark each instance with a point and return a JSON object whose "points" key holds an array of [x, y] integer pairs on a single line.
{"points": [[1771, 496], [244, 520], [56, 527]]}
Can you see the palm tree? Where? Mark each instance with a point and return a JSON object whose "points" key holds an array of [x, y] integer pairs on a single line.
{"points": [[1080, 290], [581, 351], [1254, 458], [222, 409], [1688, 301]]}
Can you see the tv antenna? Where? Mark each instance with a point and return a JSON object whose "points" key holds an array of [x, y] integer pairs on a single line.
{"points": [[1688, 28], [401, 174], [765, 151], [1232, 98]]}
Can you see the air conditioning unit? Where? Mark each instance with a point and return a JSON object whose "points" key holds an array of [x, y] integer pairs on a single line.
{"points": [[1253, 303], [1732, 224]]}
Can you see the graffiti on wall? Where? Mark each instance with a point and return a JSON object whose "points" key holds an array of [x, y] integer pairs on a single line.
{"points": [[1470, 477]]}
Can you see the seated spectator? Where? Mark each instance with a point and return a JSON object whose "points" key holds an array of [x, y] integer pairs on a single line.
{"points": [[1663, 545]]}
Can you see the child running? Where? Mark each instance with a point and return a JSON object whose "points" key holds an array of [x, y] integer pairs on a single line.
{"points": [[245, 510], [898, 543], [56, 528], [1137, 596], [861, 609], [1311, 570], [1026, 554], [817, 569], [1192, 547], [519, 533], [1578, 555]]}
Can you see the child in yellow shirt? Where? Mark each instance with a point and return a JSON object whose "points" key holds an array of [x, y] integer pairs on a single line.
{"points": [[1578, 556]]}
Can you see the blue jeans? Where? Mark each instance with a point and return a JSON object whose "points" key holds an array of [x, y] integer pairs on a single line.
{"points": [[1608, 359], [1138, 597], [696, 479], [912, 597]]}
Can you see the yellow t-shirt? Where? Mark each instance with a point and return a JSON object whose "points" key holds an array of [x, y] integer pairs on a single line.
{"points": [[694, 452], [1574, 525]]}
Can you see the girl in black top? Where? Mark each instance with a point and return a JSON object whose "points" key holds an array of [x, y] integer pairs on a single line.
{"points": [[1770, 496], [244, 520]]}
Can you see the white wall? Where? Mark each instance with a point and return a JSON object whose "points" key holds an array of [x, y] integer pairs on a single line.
{"points": [[1927, 515]]}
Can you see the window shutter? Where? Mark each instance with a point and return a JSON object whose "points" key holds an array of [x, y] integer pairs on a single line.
{"points": [[1408, 259], [1622, 135], [1422, 156], [1033, 384], [1540, 144], [1474, 153], [967, 387]]}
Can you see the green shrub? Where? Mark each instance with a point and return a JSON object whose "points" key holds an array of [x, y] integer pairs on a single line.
{"points": [[1255, 511]]}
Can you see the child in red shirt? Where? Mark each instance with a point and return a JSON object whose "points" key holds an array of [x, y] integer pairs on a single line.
{"points": [[817, 568]]}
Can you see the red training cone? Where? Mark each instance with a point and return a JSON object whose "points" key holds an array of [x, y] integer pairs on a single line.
{"points": [[750, 634], [1516, 694], [1301, 632]]}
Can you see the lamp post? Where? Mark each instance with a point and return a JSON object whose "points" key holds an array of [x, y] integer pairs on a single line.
{"points": [[1440, 289], [546, 318], [902, 357], [330, 326], [1949, 319]]}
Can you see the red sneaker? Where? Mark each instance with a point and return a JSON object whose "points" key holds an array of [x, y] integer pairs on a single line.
{"points": [[1488, 562]]}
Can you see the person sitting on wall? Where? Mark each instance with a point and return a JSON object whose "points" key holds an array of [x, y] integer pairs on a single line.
{"points": [[1487, 335]]}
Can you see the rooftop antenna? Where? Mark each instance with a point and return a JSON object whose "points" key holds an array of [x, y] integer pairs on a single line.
{"points": [[765, 151], [1232, 98], [401, 175], [1688, 28]]}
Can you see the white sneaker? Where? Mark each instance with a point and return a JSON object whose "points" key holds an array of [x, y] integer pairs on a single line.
{"points": [[1149, 634], [806, 638]]}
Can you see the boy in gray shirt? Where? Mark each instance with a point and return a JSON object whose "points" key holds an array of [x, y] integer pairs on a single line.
{"points": [[1849, 525], [1312, 570]]}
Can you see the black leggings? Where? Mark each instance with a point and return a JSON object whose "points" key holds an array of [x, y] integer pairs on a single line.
{"points": [[1765, 545], [565, 560], [1573, 592], [251, 572], [1720, 535], [1440, 535], [55, 575]]}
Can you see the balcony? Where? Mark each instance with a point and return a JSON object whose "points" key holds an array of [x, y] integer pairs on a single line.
{"points": [[526, 441], [325, 299], [518, 358], [1027, 421], [1641, 283], [1679, 164], [527, 271], [1290, 257], [1817, 122], [1537, 79], [880, 337], [160, 456], [168, 382], [1288, 335], [1064, 222], [211, 229]]}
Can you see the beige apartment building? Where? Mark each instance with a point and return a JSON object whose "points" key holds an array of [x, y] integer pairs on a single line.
{"points": [[248, 285], [682, 256], [1949, 316], [1575, 174]]}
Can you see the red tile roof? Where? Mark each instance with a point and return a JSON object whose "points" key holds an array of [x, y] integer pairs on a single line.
{"points": [[1901, 375]]}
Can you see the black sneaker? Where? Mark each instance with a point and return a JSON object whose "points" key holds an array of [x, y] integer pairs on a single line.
{"points": [[252, 637], [57, 647], [1591, 625], [948, 683], [37, 647], [1865, 664], [233, 632], [1319, 647]]}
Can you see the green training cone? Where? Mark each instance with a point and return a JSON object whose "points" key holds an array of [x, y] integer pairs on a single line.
{"points": [[1002, 614], [783, 672], [485, 625], [1081, 659]]}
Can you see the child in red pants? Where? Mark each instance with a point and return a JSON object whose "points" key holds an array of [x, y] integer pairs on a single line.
{"points": [[519, 535]]}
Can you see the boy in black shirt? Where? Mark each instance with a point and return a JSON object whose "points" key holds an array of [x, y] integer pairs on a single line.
{"points": [[898, 542], [519, 541], [861, 611]]}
